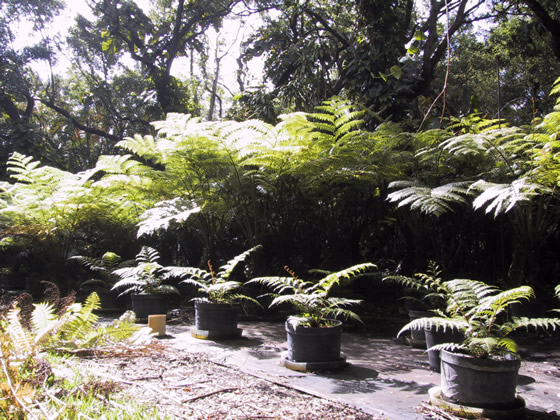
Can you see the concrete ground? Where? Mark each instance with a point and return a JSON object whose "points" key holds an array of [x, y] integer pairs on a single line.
{"points": [[385, 377]]}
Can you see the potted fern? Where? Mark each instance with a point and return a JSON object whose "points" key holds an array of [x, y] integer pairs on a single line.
{"points": [[432, 292], [145, 284], [216, 313], [481, 371], [104, 278], [314, 333]]}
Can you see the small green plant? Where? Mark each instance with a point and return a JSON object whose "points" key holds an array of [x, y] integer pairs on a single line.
{"points": [[217, 287], [25, 371], [430, 286], [479, 311], [147, 277], [315, 306], [103, 268]]}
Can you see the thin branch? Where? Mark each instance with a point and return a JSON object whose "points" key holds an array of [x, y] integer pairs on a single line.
{"points": [[209, 394]]}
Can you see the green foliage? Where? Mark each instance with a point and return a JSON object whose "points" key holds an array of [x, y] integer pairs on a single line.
{"points": [[315, 306], [103, 268], [217, 287], [434, 201], [480, 312], [47, 211], [26, 374], [147, 277], [430, 285]]}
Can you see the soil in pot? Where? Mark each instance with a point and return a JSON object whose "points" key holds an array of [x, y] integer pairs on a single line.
{"points": [[484, 383]]}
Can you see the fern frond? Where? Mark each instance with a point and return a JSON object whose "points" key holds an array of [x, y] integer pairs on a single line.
{"points": [[328, 282], [503, 299], [42, 316], [536, 323], [434, 201], [341, 313], [282, 284], [23, 344], [143, 146], [501, 198], [226, 269], [480, 347], [148, 255], [164, 213], [437, 323]]}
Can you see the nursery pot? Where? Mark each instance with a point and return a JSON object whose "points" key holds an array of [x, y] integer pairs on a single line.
{"points": [[417, 338], [483, 383], [110, 300], [439, 336], [220, 318], [313, 344], [145, 305]]}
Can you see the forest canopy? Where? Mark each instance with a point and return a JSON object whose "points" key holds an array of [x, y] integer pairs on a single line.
{"points": [[408, 61]]}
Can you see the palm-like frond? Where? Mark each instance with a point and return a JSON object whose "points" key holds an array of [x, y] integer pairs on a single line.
{"points": [[501, 198], [282, 284], [312, 300], [484, 346], [164, 213], [328, 282], [144, 146], [434, 201], [536, 323], [436, 323], [225, 270]]}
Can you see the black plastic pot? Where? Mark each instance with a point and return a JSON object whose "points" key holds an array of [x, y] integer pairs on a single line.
{"points": [[145, 305], [483, 383], [417, 338], [110, 301], [439, 336], [215, 320], [313, 344]]}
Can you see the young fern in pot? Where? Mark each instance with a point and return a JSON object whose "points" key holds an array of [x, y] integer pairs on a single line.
{"points": [[216, 286], [314, 333], [216, 313], [480, 311], [145, 282], [147, 277], [481, 371], [312, 300]]}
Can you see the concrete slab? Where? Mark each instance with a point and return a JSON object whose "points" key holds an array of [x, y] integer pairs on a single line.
{"points": [[385, 377]]}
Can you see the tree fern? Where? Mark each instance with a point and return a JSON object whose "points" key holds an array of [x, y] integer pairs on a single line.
{"points": [[501, 198], [433, 201], [217, 287], [147, 277], [312, 300], [478, 310]]}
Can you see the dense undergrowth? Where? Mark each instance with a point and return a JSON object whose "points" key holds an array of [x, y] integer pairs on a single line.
{"points": [[39, 340]]}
